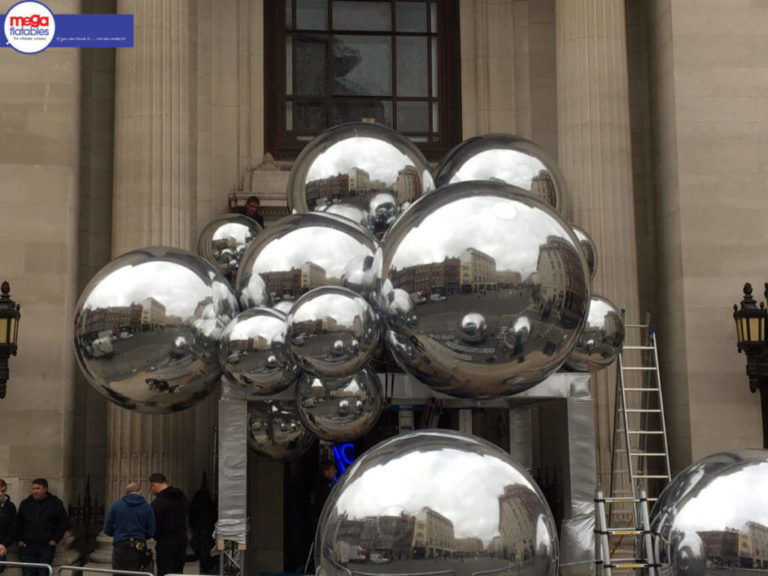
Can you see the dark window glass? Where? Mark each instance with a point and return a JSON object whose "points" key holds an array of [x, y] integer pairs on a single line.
{"points": [[362, 16], [362, 65], [412, 66], [311, 53], [412, 16], [311, 14]]}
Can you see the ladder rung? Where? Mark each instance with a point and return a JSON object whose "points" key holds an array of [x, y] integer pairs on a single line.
{"points": [[619, 499], [646, 431], [621, 531], [640, 389], [637, 347], [628, 565], [645, 410], [652, 476], [635, 325], [642, 368], [647, 453]]}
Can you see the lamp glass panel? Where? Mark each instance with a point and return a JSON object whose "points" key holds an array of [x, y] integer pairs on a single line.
{"points": [[3, 330], [739, 330], [13, 333], [755, 334]]}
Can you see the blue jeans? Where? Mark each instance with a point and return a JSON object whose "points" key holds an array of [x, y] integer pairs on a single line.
{"points": [[37, 553]]}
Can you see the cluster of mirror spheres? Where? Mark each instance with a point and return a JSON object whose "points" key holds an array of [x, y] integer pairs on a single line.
{"points": [[440, 502], [275, 430], [713, 517], [365, 172], [343, 410], [600, 343], [224, 241], [509, 290], [254, 355], [148, 326], [505, 158]]}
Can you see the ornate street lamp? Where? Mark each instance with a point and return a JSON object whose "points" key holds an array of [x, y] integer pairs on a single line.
{"points": [[750, 334], [9, 332]]}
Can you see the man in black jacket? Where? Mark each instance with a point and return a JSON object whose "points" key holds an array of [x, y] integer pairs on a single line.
{"points": [[7, 522], [171, 508], [40, 525]]}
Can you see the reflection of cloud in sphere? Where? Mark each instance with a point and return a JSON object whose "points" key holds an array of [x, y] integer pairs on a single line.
{"points": [[147, 329], [438, 501]]}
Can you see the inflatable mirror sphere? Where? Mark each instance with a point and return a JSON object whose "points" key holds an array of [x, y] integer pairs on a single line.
{"points": [[483, 288], [301, 252], [590, 250], [439, 502], [360, 170], [505, 158], [343, 411], [224, 240], [713, 517], [332, 332], [253, 353], [148, 326], [600, 343], [275, 430]]}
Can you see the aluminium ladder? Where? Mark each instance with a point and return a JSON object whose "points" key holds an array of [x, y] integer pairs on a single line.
{"points": [[640, 451]]}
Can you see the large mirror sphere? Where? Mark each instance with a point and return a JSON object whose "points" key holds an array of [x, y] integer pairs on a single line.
{"points": [[342, 411], [483, 288], [436, 502], [600, 343], [298, 253], [332, 332], [713, 517], [275, 430], [148, 326], [589, 247], [363, 171], [505, 158], [223, 241], [253, 353]]}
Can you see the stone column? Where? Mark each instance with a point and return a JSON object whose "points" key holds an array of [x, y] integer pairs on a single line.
{"points": [[595, 154], [153, 204]]}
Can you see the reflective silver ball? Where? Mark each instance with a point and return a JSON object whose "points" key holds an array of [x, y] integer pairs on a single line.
{"points": [[505, 158], [332, 332], [148, 326], [342, 411], [600, 343], [252, 293], [301, 252], [369, 167], [590, 250], [224, 239], [436, 502], [275, 430], [253, 353], [713, 517], [506, 287]]}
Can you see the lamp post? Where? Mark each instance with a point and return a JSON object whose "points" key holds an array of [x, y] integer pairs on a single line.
{"points": [[750, 333], [9, 332]]}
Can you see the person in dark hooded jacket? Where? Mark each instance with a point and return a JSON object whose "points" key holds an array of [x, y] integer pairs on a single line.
{"points": [[40, 524], [7, 522], [131, 522], [171, 508]]}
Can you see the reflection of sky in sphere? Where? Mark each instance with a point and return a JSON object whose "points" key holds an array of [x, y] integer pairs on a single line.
{"points": [[380, 159], [463, 487], [730, 500], [173, 285], [329, 248], [236, 230], [343, 308], [509, 231], [598, 310], [254, 323], [511, 166]]}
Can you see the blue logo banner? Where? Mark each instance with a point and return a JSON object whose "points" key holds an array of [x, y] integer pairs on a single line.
{"points": [[87, 31]]}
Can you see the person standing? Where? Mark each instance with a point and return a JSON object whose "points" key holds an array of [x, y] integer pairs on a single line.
{"points": [[131, 522], [171, 508], [7, 522], [40, 524]]}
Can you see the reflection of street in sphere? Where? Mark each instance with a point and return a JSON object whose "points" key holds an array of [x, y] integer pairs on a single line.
{"points": [[275, 430], [332, 332], [484, 290], [509, 159], [363, 171], [253, 353], [341, 410], [442, 503], [709, 511], [601, 341], [147, 329], [224, 240], [298, 253]]}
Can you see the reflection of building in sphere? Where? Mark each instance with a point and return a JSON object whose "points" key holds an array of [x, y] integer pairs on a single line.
{"points": [[563, 287], [517, 521], [442, 277], [478, 271], [408, 185], [432, 534], [543, 187], [312, 276], [152, 313], [327, 188], [359, 181]]}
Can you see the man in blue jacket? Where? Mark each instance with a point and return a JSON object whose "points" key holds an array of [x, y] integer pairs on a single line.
{"points": [[131, 522]]}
